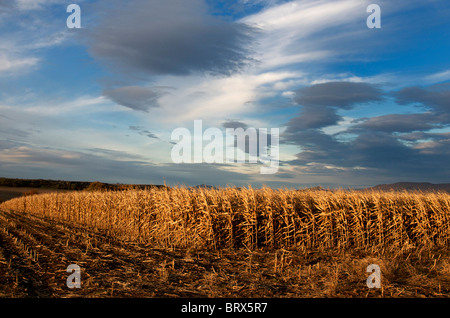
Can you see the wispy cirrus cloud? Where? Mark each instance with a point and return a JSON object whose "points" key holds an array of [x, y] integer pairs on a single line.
{"points": [[13, 65], [439, 77], [36, 4], [27, 32], [144, 132]]}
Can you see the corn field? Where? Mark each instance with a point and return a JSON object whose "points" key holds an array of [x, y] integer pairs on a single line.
{"points": [[253, 218]]}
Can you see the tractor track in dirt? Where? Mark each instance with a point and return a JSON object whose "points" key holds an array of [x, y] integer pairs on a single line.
{"points": [[18, 271]]}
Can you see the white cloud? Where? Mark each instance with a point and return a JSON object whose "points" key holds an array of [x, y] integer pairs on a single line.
{"points": [[34, 4], [286, 29], [438, 77], [214, 99], [11, 65], [80, 104], [281, 59], [49, 40], [29, 4], [306, 17]]}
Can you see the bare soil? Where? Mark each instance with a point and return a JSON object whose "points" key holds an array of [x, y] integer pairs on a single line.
{"points": [[7, 193]]}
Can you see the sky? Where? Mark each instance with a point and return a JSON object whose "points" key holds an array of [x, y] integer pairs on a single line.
{"points": [[355, 106]]}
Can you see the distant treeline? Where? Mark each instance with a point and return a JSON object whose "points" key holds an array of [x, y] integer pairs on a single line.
{"points": [[67, 185]]}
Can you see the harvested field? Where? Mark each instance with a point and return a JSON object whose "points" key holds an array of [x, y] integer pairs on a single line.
{"points": [[8, 193], [225, 243]]}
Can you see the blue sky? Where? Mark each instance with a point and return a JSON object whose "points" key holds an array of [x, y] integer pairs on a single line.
{"points": [[355, 106]]}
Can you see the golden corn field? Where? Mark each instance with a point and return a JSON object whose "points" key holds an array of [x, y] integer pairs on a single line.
{"points": [[229, 242], [254, 218]]}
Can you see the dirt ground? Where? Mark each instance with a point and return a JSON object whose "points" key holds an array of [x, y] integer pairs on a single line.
{"points": [[7, 193]]}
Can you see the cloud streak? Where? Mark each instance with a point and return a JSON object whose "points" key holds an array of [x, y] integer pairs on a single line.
{"points": [[169, 37], [144, 132], [106, 165], [135, 97], [10, 65]]}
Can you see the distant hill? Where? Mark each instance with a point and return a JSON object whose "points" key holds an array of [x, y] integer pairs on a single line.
{"points": [[12, 187], [204, 186], [411, 186], [41, 183], [66, 185]]}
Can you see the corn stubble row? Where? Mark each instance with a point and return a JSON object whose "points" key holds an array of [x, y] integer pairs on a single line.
{"points": [[254, 218]]}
